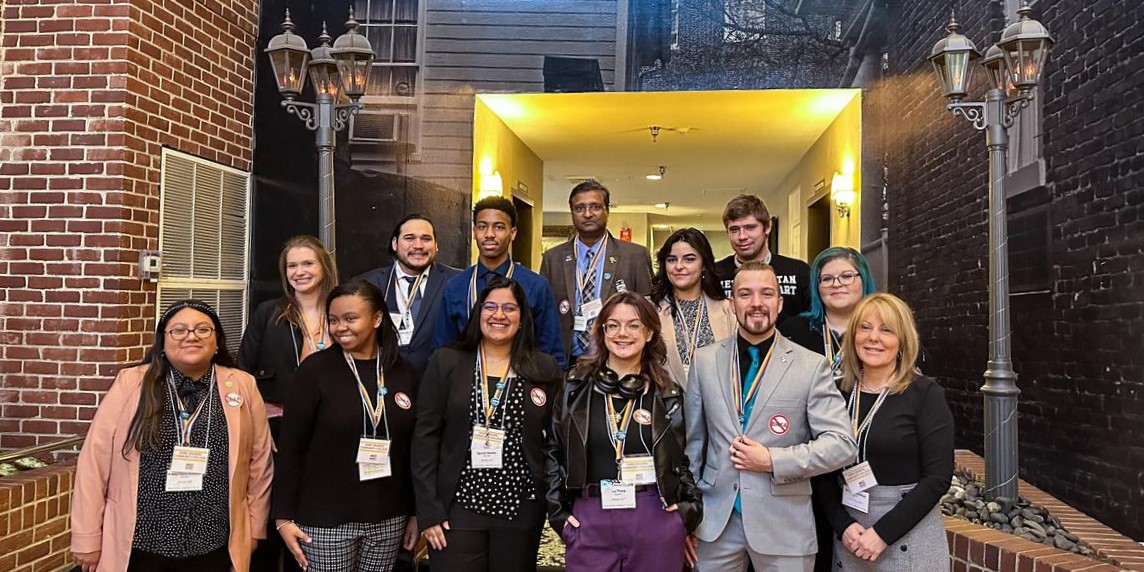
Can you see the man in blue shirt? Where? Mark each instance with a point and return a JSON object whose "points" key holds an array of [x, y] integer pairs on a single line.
{"points": [[494, 228]]}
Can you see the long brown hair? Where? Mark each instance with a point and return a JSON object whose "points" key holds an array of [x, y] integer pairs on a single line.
{"points": [[143, 433], [654, 354], [291, 309], [900, 320]]}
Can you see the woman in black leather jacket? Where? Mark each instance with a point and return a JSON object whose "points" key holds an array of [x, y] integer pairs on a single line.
{"points": [[620, 492]]}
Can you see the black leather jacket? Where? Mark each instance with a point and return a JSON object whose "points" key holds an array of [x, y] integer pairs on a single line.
{"points": [[566, 452]]}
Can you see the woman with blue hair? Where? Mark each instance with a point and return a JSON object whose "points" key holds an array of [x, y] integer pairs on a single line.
{"points": [[842, 279]]}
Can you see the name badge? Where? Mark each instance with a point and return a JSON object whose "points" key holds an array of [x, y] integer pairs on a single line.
{"points": [[580, 323], [617, 495], [859, 477], [189, 461], [857, 501], [487, 448], [371, 471], [184, 482], [373, 451], [638, 470], [404, 336], [592, 308]]}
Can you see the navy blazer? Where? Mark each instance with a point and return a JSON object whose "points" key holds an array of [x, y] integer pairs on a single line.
{"points": [[421, 346]]}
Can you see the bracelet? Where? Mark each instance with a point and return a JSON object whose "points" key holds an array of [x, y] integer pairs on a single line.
{"points": [[279, 527]]}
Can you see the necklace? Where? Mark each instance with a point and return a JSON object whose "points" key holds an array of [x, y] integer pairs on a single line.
{"points": [[317, 339]]}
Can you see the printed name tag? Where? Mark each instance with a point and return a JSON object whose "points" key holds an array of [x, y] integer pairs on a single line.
{"points": [[189, 460], [580, 323], [370, 471], [487, 448], [375, 451], [184, 482], [857, 501], [859, 477], [591, 308], [639, 470], [617, 495]]}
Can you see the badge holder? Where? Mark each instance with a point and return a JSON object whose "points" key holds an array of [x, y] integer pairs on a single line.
{"points": [[487, 448], [638, 470], [616, 495], [373, 459]]}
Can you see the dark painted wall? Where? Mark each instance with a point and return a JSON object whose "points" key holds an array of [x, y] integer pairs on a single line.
{"points": [[1079, 347]]}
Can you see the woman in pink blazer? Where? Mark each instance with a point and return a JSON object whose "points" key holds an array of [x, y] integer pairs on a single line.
{"points": [[686, 292], [175, 472]]}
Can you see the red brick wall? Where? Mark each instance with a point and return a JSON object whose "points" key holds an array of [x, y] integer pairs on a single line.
{"points": [[35, 530], [90, 91]]}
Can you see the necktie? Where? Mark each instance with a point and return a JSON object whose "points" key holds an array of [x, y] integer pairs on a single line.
{"points": [[587, 294], [413, 297], [752, 371]]}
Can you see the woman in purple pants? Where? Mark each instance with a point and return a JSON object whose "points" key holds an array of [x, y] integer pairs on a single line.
{"points": [[620, 492]]}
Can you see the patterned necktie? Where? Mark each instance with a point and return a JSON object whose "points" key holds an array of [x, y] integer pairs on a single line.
{"points": [[756, 363], [413, 297], [587, 294]]}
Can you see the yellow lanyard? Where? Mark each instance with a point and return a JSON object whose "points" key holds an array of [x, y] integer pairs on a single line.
{"points": [[185, 420], [742, 400], [322, 326], [374, 411], [473, 282], [415, 288], [618, 424], [582, 277], [490, 405], [693, 334]]}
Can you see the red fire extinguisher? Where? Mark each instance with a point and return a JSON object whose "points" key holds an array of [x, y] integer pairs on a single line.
{"points": [[626, 233]]}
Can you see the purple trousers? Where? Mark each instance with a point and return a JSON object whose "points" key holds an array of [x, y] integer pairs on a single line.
{"points": [[643, 539]]}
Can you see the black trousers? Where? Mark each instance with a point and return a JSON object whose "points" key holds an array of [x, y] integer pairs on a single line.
{"points": [[217, 560], [478, 543], [272, 554]]}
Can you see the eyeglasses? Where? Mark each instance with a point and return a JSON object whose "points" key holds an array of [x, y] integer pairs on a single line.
{"points": [[612, 329], [507, 308], [845, 279], [179, 334], [582, 208]]}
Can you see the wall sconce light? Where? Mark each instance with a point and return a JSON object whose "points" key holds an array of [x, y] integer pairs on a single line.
{"points": [[491, 186], [661, 205], [842, 193], [657, 176]]}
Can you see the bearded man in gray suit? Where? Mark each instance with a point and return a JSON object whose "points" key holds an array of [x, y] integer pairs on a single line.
{"points": [[763, 417]]}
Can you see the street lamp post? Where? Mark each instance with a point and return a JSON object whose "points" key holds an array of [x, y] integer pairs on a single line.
{"points": [[339, 74], [1013, 64]]}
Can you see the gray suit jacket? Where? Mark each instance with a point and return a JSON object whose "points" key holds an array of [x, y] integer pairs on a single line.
{"points": [[624, 262], [798, 414]]}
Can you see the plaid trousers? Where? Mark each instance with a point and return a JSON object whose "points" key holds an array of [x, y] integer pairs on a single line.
{"points": [[354, 546]]}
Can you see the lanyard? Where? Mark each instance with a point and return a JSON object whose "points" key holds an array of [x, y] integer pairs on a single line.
{"points": [[473, 283], [742, 400], [373, 411], [693, 333], [490, 405], [860, 430], [829, 341], [185, 420], [322, 329], [414, 289], [582, 277], [618, 424]]}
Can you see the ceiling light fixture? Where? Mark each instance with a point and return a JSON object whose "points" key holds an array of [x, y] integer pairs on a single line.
{"points": [[656, 177]]}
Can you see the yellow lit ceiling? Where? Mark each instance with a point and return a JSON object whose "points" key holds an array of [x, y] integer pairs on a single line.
{"points": [[713, 144]]}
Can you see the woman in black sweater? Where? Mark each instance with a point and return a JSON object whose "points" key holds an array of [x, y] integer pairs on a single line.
{"points": [[343, 496], [884, 508], [477, 462]]}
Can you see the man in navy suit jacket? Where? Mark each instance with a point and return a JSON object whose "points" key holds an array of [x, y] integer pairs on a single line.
{"points": [[413, 286]]}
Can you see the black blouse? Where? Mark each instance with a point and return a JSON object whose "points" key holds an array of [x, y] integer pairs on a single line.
{"points": [[909, 441], [498, 492], [316, 478], [186, 523], [601, 452]]}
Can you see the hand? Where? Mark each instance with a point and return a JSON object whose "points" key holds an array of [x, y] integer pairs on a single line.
{"points": [[253, 545], [291, 536], [850, 536], [87, 560], [409, 539], [572, 520], [870, 545], [749, 455], [691, 550], [436, 535]]}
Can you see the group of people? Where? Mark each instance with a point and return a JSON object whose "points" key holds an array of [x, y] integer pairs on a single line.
{"points": [[710, 415]]}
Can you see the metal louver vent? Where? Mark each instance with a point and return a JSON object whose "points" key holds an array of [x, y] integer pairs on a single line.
{"points": [[203, 237]]}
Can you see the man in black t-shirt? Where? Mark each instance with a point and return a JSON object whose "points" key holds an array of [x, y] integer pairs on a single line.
{"points": [[748, 224]]}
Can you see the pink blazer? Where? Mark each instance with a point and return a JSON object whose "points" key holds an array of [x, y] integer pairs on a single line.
{"points": [[723, 326], [106, 484]]}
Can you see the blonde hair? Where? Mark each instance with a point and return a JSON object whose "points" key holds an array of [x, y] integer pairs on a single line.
{"points": [[896, 315]]}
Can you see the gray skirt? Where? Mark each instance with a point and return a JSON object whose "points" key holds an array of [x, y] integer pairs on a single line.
{"points": [[923, 548]]}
